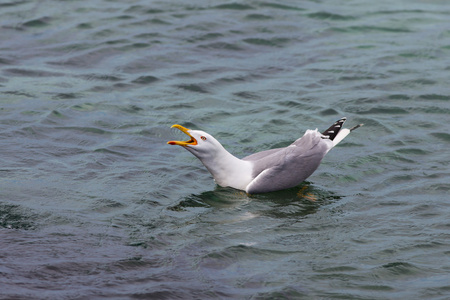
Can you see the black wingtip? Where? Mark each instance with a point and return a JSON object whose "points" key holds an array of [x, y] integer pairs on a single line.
{"points": [[357, 126], [334, 129]]}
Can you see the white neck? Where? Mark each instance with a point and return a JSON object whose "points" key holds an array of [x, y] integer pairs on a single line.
{"points": [[228, 170]]}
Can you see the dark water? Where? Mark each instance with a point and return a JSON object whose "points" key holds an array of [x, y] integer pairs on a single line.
{"points": [[94, 204]]}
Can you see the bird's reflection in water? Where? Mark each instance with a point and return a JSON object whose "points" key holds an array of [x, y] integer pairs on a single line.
{"points": [[299, 201]]}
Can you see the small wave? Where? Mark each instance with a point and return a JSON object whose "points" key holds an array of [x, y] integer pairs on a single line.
{"points": [[41, 22], [272, 42], [330, 16], [198, 88], [280, 6], [443, 136], [32, 72], [234, 6], [147, 79], [15, 217], [368, 28]]}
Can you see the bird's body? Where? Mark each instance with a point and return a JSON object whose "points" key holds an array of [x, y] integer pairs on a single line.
{"points": [[265, 171]]}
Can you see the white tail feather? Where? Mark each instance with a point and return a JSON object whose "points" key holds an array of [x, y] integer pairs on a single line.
{"points": [[340, 136]]}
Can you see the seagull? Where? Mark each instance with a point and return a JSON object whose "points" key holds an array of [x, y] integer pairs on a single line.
{"points": [[266, 171]]}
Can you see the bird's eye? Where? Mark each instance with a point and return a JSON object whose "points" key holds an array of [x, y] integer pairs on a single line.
{"points": [[203, 138]]}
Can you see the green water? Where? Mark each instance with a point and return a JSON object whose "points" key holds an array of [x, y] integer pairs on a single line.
{"points": [[94, 204]]}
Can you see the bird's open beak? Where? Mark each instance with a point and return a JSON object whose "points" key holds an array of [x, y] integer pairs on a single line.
{"points": [[192, 140]]}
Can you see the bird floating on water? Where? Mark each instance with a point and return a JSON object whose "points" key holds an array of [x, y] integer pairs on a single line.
{"points": [[265, 171]]}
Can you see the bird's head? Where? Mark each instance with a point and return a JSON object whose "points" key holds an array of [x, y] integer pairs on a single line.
{"points": [[201, 144]]}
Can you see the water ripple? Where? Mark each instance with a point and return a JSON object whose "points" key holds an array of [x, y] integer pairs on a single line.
{"points": [[93, 199]]}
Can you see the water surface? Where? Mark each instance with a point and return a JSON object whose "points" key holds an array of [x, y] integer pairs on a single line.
{"points": [[94, 204]]}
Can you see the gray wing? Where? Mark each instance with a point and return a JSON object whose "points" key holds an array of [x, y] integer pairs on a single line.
{"points": [[287, 167], [262, 154]]}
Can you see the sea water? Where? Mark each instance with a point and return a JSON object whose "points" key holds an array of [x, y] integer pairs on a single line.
{"points": [[94, 204]]}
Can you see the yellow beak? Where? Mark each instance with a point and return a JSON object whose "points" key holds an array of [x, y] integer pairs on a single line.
{"points": [[192, 140]]}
